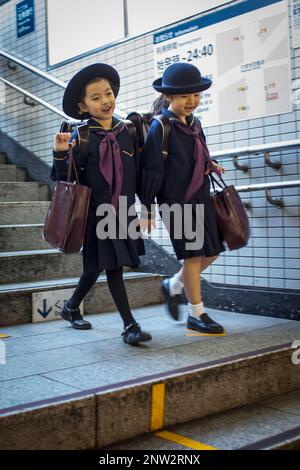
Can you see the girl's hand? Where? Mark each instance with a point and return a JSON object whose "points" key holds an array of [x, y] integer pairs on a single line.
{"points": [[61, 141], [147, 224], [217, 166]]}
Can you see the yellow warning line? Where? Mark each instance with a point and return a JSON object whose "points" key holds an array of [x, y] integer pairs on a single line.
{"points": [[157, 421], [184, 441], [158, 407], [195, 333]]}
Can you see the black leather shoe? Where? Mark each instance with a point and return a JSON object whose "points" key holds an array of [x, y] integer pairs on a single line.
{"points": [[172, 301], [204, 324], [133, 334], [74, 316]]}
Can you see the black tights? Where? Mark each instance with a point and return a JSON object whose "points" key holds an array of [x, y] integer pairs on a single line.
{"points": [[117, 289]]}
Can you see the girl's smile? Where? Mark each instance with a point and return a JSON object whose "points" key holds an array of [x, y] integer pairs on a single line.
{"points": [[99, 102], [184, 105], [107, 109]]}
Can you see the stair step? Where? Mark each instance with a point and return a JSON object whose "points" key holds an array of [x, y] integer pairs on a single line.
{"points": [[22, 237], [20, 191], [16, 300], [12, 213], [272, 424], [21, 266], [95, 391], [11, 173]]}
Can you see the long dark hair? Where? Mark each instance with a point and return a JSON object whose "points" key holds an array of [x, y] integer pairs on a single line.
{"points": [[160, 102]]}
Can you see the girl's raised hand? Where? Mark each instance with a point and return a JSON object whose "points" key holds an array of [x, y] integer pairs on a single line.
{"points": [[61, 141]]}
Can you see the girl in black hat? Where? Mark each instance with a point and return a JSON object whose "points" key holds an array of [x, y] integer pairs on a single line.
{"points": [[182, 179], [110, 170]]}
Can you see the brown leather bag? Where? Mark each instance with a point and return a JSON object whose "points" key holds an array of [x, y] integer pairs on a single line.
{"points": [[232, 220], [65, 222]]}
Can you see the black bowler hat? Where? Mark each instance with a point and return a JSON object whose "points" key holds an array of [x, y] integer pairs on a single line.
{"points": [[181, 78], [74, 88]]}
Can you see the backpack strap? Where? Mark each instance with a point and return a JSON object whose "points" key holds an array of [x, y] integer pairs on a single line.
{"points": [[132, 131], [67, 126], [166, 128], [141, 122], [83, 133]]}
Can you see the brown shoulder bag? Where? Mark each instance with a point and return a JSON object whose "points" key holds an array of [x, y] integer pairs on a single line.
{"points": [[231, 216], [65, 222]]}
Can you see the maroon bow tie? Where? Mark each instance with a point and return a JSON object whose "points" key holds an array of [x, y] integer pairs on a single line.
{"points": [[110, 163], [201, 156]]}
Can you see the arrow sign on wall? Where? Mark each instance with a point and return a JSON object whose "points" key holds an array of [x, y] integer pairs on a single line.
{"points": [[45, 312]]}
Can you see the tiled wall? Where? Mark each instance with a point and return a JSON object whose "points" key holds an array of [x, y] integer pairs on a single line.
{"points": [[272, 258]]}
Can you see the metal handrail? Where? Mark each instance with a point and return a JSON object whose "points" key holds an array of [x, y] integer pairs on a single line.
{"points": [[47, 105], [46, 76], [35, 98], [256, 149], [33, 69], [268, 186]]}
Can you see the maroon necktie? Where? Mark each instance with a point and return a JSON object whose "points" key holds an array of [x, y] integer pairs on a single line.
{"points": [[201, 156], [110, 163]]}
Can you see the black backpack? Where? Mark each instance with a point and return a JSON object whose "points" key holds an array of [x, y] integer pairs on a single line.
{"points": [[142, 122]]}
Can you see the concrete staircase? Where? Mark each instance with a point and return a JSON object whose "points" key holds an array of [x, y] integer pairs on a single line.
{"points": [[271, 424], [67, 389], [29, 265]]}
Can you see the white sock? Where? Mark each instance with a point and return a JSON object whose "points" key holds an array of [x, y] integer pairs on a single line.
{"points": [[196, 310], [175, 285]]}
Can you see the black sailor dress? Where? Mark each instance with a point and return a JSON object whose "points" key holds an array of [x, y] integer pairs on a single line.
{"points": [[168, 180], [109, 253]]}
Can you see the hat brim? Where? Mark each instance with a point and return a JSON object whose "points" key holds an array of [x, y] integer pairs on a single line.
{"points": [[80, 79], [178, 90]]}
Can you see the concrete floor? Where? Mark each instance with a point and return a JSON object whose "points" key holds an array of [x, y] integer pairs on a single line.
{"points": [[51, 359]]}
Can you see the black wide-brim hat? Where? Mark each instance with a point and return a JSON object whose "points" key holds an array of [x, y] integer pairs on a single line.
{"points": [[74, 88], [180, 78]]}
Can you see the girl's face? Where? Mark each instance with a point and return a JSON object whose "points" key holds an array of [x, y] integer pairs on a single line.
{"points": [[184, 105], [99, 101]]}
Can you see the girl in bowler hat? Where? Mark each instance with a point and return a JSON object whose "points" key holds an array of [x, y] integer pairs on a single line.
{"points": [[110, 169], [182, 178]]}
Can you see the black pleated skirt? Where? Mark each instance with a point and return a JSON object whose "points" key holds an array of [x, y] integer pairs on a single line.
{"points": [[212, 240], [109, 254]]}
